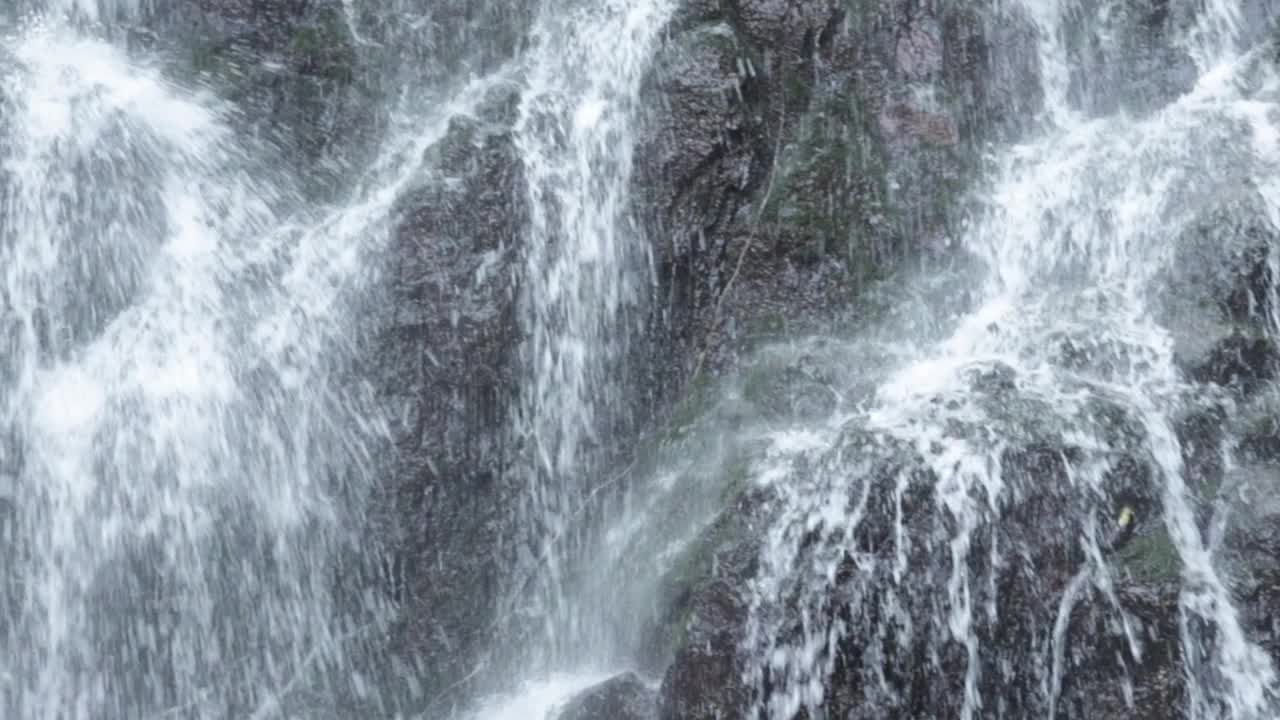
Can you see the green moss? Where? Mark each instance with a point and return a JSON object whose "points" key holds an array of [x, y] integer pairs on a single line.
{"points": [[762, 329], [694, 405], [324, 49], [692, 569], [829, 196], [1151, 557]]}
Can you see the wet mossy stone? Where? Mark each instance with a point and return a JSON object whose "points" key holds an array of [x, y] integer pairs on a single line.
{"points": [[788, 387], [323, 48], [1240, 362], [1261, 443], [1148, 555], [622, 697]]}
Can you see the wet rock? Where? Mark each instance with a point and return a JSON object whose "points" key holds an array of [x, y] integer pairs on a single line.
{"points": [[292, 69], [1239, 362], [1130, 57], [624, 697], [868, 599], [707, 607], [907, 124], [1220, 283], [804, 149], [919, 51], [1251, 518], [1259, 19], [1250, 544], [704, 681], [444, 334], [1260, 440], [785, 387], [996, 380], [1100, 669]]}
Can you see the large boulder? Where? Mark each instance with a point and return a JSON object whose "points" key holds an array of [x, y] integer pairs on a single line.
{"points": [[1217, 294], [623, 697], [802, 150], [859, 619], [443, 333]]}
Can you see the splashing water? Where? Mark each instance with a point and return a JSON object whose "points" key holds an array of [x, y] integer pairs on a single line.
{"points": [[587, 271], [184, 455], [1060, 386], [536, 699]]}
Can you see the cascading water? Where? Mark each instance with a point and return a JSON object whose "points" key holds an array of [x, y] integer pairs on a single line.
{"points": [[185, 456], [587, 273], [1059, 386]]}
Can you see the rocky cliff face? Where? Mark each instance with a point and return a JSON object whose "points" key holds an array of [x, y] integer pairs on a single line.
{"points": [[802, 151], [797, 154]]}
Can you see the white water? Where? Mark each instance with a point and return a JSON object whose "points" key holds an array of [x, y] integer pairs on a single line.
{"points": [[587, 273], [186, 460], [182, 453], [537, 699], [174, 421], [1079, 225]]}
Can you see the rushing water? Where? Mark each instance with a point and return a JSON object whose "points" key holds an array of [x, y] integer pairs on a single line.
{"points": [[185, 457], [1075, 236], [587, 273], [186, 452]]}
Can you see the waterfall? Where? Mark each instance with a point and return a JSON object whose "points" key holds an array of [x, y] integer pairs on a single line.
{"points": [[186, 453], [1059, 384], [201, 465], [587, 275]]}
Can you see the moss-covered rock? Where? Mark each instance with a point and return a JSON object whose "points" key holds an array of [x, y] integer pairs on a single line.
{"points": [[323, 48], [804, 150], [623, 697], [1150, 557]]}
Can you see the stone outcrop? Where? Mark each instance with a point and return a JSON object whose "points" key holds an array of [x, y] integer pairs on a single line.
{"points": [[803, 150], [446, 345], [797, 153], [897, 655], [624, 697]]}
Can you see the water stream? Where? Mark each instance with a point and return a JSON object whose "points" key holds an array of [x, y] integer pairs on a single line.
{"points": [[185, 454], [1076, 234], [187, 448], [588, 272]]}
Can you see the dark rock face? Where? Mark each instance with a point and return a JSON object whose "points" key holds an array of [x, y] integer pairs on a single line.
{"points": [[624, 697], [1130, 56], [797, 152], [446, 350], [1250, 546], [708, 615], [440, 331], [896, 656], [1217, 295], [1240, 363], [804, 149], [293, 70]]}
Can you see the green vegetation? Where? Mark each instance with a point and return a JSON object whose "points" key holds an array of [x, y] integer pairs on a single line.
{"points": [[324, 49], [1150, 557]]}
